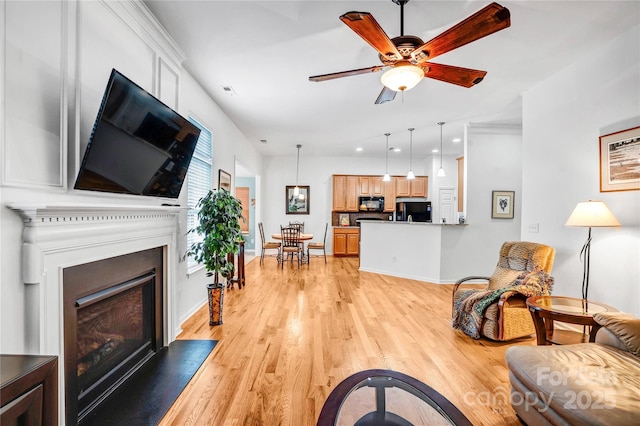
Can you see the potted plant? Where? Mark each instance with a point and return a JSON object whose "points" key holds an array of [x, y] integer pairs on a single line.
{"points": [[219, 215]]}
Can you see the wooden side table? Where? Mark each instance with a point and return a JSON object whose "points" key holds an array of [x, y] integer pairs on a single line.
{"points": [[29, 390], [547, 309], [239, 277]]}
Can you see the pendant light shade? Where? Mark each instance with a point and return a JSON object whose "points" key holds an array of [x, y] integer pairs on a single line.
{"points": [[403, 76], [441, 172], [410, 175], [296, 190], [386, 177]]}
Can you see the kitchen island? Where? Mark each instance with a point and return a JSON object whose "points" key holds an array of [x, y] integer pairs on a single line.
{"points": [[416, 250]]}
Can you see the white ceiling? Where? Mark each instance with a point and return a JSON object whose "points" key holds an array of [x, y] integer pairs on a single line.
{"points": [[266, 50]]}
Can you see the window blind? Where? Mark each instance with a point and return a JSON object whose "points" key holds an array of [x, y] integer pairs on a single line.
{"points": [[199, 178]]}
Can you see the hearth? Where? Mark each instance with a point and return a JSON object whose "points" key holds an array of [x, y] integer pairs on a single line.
{"points": [[112, 325]]}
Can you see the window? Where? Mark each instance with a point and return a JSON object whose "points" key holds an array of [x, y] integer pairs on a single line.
{"points": [[199, 178]]}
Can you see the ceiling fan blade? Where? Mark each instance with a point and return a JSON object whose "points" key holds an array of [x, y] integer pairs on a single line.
{"points": [[386, 95], [363, 24], [486, 21], [464, 77], [340, 74]]}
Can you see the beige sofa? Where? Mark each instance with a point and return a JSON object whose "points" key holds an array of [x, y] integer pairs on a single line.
{"points": [[582, 384]]}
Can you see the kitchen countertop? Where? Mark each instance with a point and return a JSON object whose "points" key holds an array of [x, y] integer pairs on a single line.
{"points": [[391, 222]]}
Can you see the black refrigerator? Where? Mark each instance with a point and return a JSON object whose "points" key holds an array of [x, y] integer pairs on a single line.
{"points": [[412, 209]]}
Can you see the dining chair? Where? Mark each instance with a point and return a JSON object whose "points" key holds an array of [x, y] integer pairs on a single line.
{"points": [[300, 225], [267, 245], [318, 246], [290, 244]]}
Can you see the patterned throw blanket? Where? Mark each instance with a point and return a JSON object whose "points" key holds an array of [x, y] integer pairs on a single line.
{"points": [[470, 307]]}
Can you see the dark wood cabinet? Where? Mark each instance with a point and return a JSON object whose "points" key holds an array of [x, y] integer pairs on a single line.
{"points": [[29, 390]]}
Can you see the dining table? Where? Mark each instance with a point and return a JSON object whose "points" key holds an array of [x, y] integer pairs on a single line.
{"points": [[303, 238]]}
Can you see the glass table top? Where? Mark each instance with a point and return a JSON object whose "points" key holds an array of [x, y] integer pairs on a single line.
{"points": [[567, 305], [386, 397]]}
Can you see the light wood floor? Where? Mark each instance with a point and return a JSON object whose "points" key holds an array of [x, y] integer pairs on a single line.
{"points": [[289, 337]]}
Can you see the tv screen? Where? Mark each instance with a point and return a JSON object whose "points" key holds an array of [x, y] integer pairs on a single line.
{"points": [[138, 145]]}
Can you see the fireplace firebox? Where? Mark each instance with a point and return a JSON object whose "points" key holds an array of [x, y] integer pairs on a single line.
{"points": [[112, 325]]}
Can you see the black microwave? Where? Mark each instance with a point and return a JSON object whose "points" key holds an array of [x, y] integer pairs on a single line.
{"points": [[371, 204]]}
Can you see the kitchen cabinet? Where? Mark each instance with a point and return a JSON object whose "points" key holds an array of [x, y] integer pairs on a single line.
{"points": [[389, 195], [345, 193], [29, 390], [411, 188], [339, 193], [371, 186], [346, 241]]}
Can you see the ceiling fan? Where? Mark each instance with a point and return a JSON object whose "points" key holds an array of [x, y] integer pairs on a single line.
{"points": [[407, 58]]}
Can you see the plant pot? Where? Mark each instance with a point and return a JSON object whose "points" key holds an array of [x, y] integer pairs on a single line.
{"points": [[215, 293]]}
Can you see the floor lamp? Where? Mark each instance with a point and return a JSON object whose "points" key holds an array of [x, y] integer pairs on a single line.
{"points": [[589, 214]]}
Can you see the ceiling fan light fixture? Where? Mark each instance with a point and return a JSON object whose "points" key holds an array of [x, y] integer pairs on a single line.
{"points": [[403, 76]]}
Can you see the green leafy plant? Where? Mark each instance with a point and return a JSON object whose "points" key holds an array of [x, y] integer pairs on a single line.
{"points": [[219, 215]]}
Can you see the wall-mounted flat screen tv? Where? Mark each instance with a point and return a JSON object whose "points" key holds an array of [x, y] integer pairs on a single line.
{"points": [[138, 144]]}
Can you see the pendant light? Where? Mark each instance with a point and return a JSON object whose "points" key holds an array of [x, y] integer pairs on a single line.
{"points": [[296, 190], [441, 172], [410, 175], [386, 177]]}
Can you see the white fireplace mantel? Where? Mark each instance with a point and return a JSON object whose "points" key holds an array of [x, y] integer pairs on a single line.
{"points": [[63, 235]]}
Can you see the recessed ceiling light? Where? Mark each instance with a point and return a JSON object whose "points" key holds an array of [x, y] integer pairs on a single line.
{"points": [[358, 149], [396, 150], [435, 150], [456, 140]]}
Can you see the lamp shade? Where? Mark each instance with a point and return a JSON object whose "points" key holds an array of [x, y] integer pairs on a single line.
{"points": [[592, 214], [403, 76]]}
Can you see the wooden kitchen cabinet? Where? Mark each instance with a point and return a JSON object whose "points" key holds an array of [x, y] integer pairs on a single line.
{"points": [[411, 188], [29, 390], [346, 241], [371, 186], [345, 193], [419, 187], [389, 195], [339, 193], [403, 188]]}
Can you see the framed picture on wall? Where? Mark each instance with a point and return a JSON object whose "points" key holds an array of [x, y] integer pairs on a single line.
{"points": [[297, 204], [224, 180], [620, 161], [502, 204]]}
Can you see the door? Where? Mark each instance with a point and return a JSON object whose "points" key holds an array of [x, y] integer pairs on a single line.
{"points": [[242, 194], [447, 205]]}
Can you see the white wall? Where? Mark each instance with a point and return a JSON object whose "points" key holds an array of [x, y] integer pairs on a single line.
{"points": [[229, 144], [493, 160], [316, 172], [55, 60], [563, 119]]}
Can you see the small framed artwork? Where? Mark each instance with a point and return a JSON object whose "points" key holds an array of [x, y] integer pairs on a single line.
{"points": [[297, 204], [224, 180], [502, 204], [620, 161]]}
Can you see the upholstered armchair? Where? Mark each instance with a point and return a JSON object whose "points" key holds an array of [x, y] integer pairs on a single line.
{"points": [[522, 271]]}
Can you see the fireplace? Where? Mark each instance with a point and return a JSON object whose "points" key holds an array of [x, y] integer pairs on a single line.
{"points": [[112, 310], [59, 238]]}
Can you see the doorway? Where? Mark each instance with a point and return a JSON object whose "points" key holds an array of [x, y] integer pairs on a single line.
{"points": [[246, 190]]}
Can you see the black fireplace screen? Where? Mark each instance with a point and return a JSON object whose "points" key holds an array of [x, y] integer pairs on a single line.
{"points": [[112, 325], [112, 330]]}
